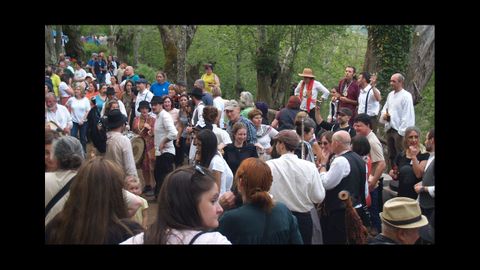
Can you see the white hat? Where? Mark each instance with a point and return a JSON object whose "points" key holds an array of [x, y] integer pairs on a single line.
{"points": [[90, 75]]}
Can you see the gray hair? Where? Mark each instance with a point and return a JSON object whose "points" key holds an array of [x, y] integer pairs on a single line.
{"points": [[68, 151], [50, 95], [400, 77], [200, 83], [246, 99]]}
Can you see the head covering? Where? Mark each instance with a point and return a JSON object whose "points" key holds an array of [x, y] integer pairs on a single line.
{"points": [[141, 80], [115, 118], [144, 104], [403, 213], [231, 105], [288, 137], [307, 72], [90, 75], [345, 111]]}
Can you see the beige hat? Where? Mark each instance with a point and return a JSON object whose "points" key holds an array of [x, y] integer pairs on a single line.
{"points": [[231, 105], [404, 213], [307, 72]]}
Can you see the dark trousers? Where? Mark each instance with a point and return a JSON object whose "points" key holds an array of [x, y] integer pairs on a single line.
{"points": [[80, 132], [375, 208], [179, 153], [394, 143], [333, 228], [305, 226], [163, 166], [427, 212]]}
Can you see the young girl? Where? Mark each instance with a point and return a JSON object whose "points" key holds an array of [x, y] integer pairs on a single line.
{"points": [[132, 184], [188, 210]]}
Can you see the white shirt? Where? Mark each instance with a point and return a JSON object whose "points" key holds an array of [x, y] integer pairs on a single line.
{"points": [[400, 108], [164, 127], [317, 86], [220, 105], [184, 237], [54, 182], [222, 135], [220, 165], [339, 169], [296, 183], [79, 75], [79, 109], [199, 111], [63, 89], [146, 95], [373, 106], [61, 117]]}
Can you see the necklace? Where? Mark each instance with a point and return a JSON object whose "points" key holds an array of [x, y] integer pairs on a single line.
{"points": [[345, 89]]}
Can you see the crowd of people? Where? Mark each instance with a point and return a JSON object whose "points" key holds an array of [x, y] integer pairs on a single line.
{"points": [[220, 172]]}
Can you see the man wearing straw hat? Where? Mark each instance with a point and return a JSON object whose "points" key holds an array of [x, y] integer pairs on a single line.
{"points": [[401, 222], [307, 89]]}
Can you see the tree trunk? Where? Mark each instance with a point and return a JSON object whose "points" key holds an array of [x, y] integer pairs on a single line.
{"points": [[58, 40], [193, 74], [370, 63], [73, 47], [136, 45], [170, 34], [50, 53], [421, 61], [181, 54], [124, 37], [111, 39], [264, 92], [238, 83]]}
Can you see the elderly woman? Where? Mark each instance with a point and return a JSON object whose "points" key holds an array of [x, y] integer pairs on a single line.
{"points": [[265, 134], [246, 103], [50, 136], [409, 165], [79, 106], [68, 155]]}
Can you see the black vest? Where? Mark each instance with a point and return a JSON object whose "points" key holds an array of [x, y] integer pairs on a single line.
{"points": [[353, 183], [426, 201]]}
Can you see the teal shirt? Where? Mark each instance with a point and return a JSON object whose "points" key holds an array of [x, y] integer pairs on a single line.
{"points": [[251, 225]]}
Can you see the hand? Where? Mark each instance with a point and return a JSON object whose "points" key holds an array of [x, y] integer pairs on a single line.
{"points": [[393, 173], [227, 200], [177, 142], [147, 126], [418, 187], [414, 150]]}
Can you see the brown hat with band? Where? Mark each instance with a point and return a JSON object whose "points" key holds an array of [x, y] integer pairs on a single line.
{"points": [[307, 72]]}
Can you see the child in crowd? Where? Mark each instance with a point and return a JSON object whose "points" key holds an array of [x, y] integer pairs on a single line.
{"points": [[132, 184]]}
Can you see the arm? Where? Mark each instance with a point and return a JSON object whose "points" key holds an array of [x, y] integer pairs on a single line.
{"points": [[317, 151], [378, 168], [132, 201], [338, 170], [217, 81], [324, 90], [274, 123], [145, 218], [377, 94], [347, 100], [218, 179], [318, 116]]}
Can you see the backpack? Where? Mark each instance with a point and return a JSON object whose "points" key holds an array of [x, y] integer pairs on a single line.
{"points": [[97, 130]]}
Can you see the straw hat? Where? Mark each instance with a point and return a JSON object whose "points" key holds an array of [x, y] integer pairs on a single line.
{"points": [[404, 213], [307, 72]]}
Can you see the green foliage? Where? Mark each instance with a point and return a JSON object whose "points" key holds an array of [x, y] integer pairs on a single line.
{"points": [[425, 109], [392, 47], [150, 51], [90, 48], [148, 72]]}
